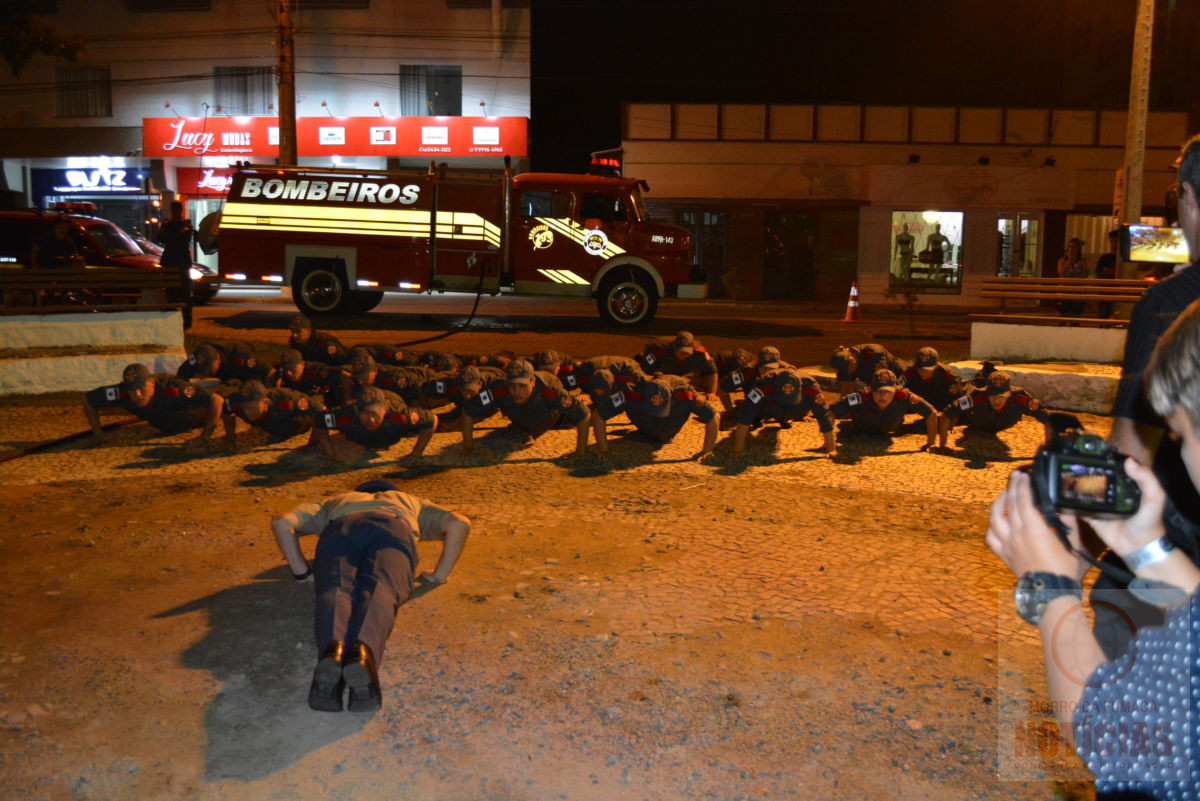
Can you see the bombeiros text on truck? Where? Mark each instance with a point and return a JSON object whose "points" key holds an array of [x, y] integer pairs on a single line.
{"points": [[341, 238]]}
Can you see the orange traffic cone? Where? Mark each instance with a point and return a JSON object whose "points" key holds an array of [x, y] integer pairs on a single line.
{"points": [[853, 315]]}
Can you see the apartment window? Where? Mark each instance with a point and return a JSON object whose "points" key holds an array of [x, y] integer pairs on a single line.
{"points": [[148, 6], [244, 90], [431, 90], [82, 92]]}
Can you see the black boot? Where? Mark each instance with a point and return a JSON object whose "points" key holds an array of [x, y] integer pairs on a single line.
{"points": [[325, 695], [358, 669]]}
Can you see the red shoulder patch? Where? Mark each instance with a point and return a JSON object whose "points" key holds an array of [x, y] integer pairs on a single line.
{"points": [[633, 396], [342, 419], [1021, 399], [683, 394], [903, 394], [501, 390], [699, 349], [172, 392], [549, 394], [811, 390], [398, 417], [284, 405]]}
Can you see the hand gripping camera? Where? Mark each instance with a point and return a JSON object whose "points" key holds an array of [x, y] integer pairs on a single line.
{"points": [[1080, 471]]}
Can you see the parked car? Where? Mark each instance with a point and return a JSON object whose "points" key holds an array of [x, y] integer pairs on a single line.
{"points": [[202, 291]]}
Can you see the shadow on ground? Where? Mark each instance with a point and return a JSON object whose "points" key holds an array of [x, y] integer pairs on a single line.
{"points": [[265, 673]]}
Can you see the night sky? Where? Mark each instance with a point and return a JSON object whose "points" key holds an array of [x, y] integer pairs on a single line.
{"points": [[590, 56]]}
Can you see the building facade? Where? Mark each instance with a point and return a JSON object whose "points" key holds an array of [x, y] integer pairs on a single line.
{"points": [[798, 201], [86, 130]]}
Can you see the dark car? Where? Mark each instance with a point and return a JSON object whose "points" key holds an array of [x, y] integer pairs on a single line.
{"points": [[202, 291], [100, 242]]}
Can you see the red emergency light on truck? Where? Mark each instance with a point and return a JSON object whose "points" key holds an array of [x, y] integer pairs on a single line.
{"points": [[340, 238]]}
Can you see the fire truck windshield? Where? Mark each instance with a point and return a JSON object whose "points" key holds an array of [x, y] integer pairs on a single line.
{"points": [[639, 206]]}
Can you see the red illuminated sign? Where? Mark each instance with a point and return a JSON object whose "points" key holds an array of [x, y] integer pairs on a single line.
{"points": [[250, 137], [200, 181]]}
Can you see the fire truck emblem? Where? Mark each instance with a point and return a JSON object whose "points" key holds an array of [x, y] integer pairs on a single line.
{"points": [[595, 241], [541, 236]]}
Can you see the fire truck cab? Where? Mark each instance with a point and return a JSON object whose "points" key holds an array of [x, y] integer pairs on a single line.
{"points": [[341, 238]]}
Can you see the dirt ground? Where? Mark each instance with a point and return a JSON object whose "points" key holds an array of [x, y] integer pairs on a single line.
{"points": [[650, 628]]}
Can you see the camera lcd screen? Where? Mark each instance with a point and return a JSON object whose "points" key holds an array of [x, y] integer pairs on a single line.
{"points": [[1153, 243], [1086, 484]]}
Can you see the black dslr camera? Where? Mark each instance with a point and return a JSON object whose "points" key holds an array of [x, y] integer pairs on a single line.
{"points": [[1082, 472]]}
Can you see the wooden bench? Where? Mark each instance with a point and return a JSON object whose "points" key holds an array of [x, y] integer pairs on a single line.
{"points": [[108, 289], [1059, 290]]}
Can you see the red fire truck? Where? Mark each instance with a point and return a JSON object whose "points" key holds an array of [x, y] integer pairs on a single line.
{"points": [[341, 238]]}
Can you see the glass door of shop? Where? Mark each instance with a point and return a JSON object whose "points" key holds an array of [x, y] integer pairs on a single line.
{"points": [[789, 255], [1017, 239], [197, 210], [709, 233]]}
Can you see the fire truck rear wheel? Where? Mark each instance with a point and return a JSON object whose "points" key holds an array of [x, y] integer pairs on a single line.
{"points": [[320, 290], [627, 300]]}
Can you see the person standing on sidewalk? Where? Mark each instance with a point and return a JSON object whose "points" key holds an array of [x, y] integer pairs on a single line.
{"points": [[176, 238], [364, 570]]}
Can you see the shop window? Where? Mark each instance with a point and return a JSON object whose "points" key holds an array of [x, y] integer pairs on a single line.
{"points": [[430, 90], [555, 205], [82, 92], [925, 252], [605, 208], [244, 90], [1016, 245]]}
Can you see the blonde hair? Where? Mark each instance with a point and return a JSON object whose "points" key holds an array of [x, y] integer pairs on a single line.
{"points": [[1173, 375]]}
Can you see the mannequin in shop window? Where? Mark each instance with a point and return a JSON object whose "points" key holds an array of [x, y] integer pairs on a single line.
{"points": [[934, 253], [906, 246]]}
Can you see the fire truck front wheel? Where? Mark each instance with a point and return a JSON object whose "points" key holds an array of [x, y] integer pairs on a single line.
{"points": [[627, 300], [320, 290]]}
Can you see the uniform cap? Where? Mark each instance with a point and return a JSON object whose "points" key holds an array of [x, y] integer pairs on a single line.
{"points": [[241, 350], [655, 389], [840, 360], [377, 485], [998, 383], [684, 341], [601, 382], [926, 357], [519, 371], [883, 378], [291, 357], [468, 376], [206, 355], [548, 360], [768, 355], [249, 392], [742, 357], [135, 375], [368, 397], [444, 362], [359, 352], [299, 323], [787, 384], [363, 366]]}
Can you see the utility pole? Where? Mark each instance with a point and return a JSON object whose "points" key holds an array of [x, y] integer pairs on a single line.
{"points": [[1135, 125], [285, 77]]}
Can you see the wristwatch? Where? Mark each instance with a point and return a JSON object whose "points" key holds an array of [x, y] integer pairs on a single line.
{"points": [[1035, 590]]}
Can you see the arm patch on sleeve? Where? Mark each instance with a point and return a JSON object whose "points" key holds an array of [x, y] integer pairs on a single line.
{"points": [[966, 402], [854, 398], [617, 398], [736, 377], [486, 397], [111, 393], [755, 395]]}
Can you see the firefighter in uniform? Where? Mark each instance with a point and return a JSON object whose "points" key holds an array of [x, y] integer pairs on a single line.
{"points": [[231, 363], [403, 381], [392, 355], [282, 413], [883, 409], [784, 395], [859, 364], [658, 408], [456, 388], [316, 346], [576, 375], [172, 405], [363, 570], [376, 420], [999, 406], [681, 356], [736, 379], [332, 384], [533, 402], [932, 380]]}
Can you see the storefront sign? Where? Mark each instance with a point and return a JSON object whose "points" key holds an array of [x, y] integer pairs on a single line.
{"points": [[258, 137], [92, 181], [203, 181]]}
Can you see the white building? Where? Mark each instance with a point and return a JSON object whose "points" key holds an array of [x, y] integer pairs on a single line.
{"points": [[76, 130], [798, 201]]}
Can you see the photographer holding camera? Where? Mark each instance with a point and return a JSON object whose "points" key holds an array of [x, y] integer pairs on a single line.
{"points": [[1048, 594]]}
